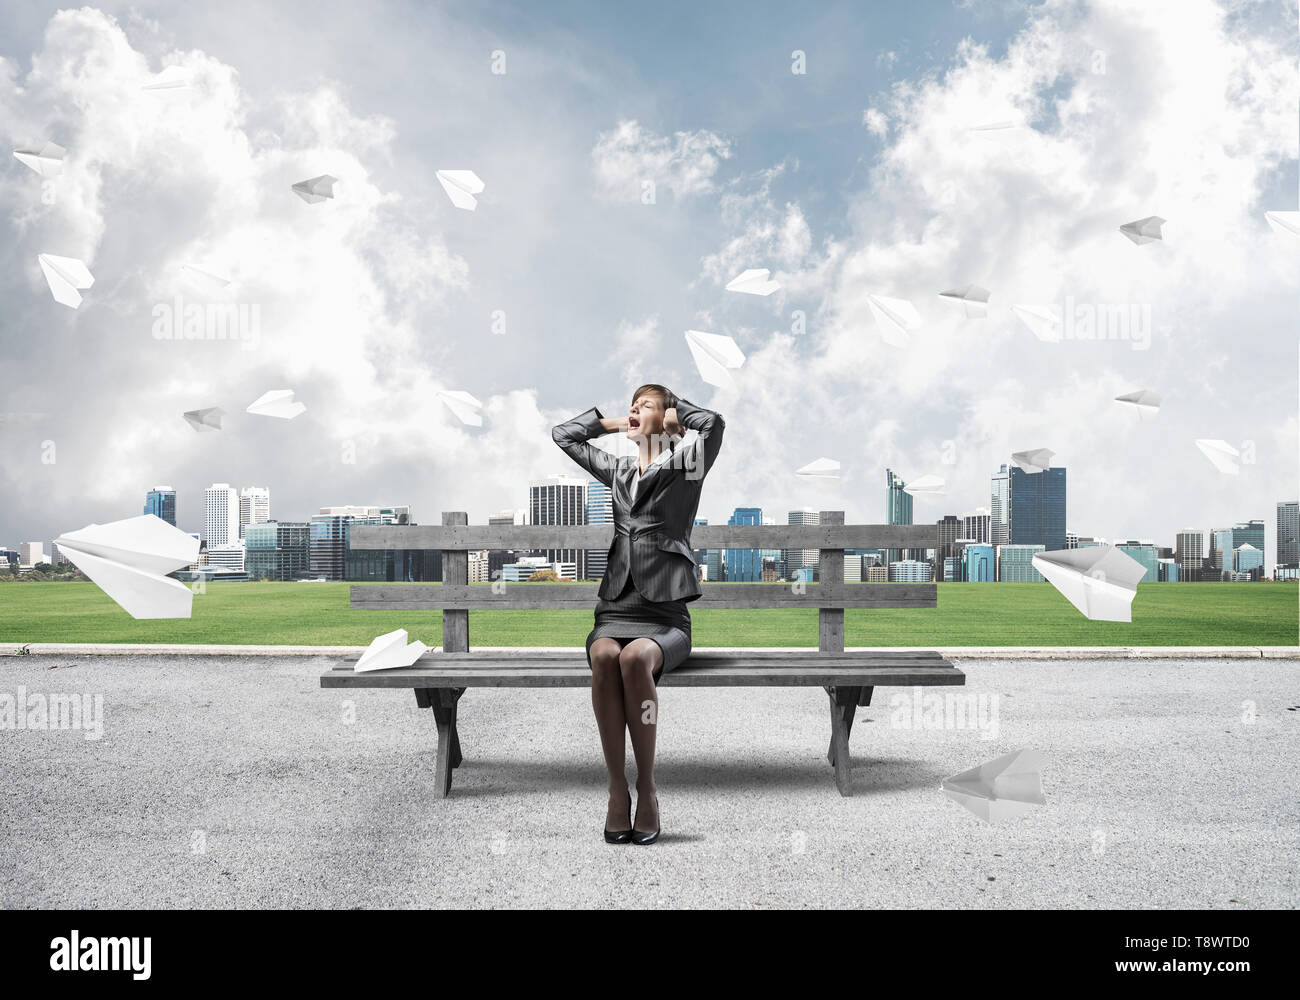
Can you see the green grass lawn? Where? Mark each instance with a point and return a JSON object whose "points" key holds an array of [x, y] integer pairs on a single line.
{"points": [[969, 614]]}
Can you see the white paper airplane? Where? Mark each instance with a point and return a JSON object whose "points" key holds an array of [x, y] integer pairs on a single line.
{"points": [[973, 300], [46, 159], [316, 190], [129, 559], [894, 317], [65, 275], [461, 187], [205, 280], [388, 651], [926, 486], [1034, 460], [1144, 400], [1041, 320], [1101, 581], [716, 355], [999, 126], [1286, 223], [1223, 455], [462, 404], [171, 78], [1005, 787], [753, 282], [1143, 230], [208, 419], [276, 403], [822, 468]]}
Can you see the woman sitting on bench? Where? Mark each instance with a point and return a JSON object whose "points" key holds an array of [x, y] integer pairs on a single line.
{"points": [[642, 627]]}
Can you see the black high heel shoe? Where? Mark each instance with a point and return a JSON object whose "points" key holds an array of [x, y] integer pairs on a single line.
{"points": [[622, 836], [647, 838]]}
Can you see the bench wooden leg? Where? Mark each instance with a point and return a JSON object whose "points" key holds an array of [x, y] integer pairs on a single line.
{"points": [[443, 701], [844, 704]]}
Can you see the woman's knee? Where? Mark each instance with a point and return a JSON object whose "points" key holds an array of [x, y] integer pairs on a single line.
{"points": [[604, 656], [638, 660]]}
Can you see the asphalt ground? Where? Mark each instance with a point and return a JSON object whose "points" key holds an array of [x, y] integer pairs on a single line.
{"points": [[236, 781]]}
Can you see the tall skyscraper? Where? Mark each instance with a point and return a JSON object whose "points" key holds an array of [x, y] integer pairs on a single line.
{"points": [[220, 515], [898, 508], [745, 565], [1000, 507], [161, 502], [600, 510], [254, 507], [1036, 511], [1288, 532], [797, 559], [950, 529], [1189, 553], [560, 500]]}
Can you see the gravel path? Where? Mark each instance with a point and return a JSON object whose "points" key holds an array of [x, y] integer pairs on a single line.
{"points": [[239, 782]]}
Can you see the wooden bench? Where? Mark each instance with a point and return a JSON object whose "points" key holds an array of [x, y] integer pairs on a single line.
{"points": [[442, 675]]}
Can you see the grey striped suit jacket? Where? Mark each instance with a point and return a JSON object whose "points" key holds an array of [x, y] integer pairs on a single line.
{"points": [[652, 534]]}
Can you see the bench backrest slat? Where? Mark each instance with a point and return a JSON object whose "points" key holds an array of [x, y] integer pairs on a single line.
{"points": [[455, 597]]}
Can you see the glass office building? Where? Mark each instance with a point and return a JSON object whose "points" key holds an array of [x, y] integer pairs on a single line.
{"points": [[161, 502], [979, 564], [898, 510], [745, 565], [1146, 554], [1016, 564], [1037, 508], [277, 550], [1288, 533]]}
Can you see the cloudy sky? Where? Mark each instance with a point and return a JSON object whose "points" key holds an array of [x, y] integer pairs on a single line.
{"points": [[866, 174]]}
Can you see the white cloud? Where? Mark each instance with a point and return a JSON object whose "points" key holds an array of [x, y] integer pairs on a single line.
{"points": [[628, 156]]}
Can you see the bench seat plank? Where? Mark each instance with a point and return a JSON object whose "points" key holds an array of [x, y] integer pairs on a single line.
{"points": [[808, 673]]}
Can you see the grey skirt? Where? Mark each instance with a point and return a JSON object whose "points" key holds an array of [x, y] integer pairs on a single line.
{"points": [[630, 616]]}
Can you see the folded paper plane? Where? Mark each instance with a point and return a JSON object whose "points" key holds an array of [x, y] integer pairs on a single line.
{"points": [[895, 318], [208, 419], [1005, 787], [171, 78], [316, 190], [822, 468], [1286, 223], [1041, 320], [276, 403], [465, 406], [461, 187], [1223, 455], [753, 282], [129, 561], [973, 300], [1101, 581], [389, 651], [926, 486], [1034, 460], [1143, 230], [716, 355], [1144, 400], [65, 275], [46, 159], [206, 281]]}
